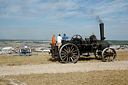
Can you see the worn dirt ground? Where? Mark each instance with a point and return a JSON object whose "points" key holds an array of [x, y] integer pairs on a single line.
{"points": [[63, 68], [40, 70]]}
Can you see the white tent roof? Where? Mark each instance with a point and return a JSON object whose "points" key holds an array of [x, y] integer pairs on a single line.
{"points": [[7, 48]]}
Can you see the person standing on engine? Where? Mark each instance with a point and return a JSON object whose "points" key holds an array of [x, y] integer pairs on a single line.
{"points": [[53, 45], [59, 39], [64, 38], [53, 39]]}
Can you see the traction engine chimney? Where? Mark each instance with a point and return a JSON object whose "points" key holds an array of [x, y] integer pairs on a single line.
{"points": [[101, 31]]}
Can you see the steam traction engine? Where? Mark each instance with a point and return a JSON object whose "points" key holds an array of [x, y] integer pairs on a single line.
{"points": [[70, 51]]}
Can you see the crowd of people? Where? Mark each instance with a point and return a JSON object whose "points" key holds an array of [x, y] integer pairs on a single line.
{"points": [[59, 39]]}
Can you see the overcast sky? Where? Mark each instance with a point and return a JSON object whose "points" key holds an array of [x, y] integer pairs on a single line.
{"points": [[40, 19]]}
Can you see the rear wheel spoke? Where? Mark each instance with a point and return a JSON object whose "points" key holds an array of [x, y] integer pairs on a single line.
{"points": [[67, 59], [71, 58], [64, 58]]}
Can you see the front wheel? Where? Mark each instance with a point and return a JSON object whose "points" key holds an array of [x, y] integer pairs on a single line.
{"points": [[108, 55], [98, 54], [69, 53]]}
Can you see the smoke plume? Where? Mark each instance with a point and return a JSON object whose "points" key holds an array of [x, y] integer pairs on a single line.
{"points": [[98, 19], [91, 12]]}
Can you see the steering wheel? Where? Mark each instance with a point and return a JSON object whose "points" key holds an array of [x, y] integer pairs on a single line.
{"points": [[77, 39]]}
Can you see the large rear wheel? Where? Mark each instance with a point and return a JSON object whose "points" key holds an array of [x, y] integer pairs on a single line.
{"points": [[69, 53]]}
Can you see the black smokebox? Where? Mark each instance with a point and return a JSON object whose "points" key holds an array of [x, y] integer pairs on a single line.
{"points": [[101, 31]]}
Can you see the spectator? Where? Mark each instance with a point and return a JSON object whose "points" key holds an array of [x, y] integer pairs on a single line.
{"points": [[53, 39], [65, 37], [59, 39], [53, 45]]}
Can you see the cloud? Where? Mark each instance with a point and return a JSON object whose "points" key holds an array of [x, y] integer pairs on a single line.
{"points": [[110, 11], [124, 22], [63, 9], [111, 7], [54, 21], [60, 8], [68, 14], [109, 20], [36, 7]]}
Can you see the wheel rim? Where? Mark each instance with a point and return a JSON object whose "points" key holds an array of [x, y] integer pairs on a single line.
{"points": [[98, 54], [69, 53], [108, 55]]}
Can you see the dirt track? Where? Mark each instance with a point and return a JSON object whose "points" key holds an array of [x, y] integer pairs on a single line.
{"points": [[62, 68]]}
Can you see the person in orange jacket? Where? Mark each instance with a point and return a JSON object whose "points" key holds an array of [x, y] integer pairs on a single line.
{"points": [[53, 39], [53, 45]]}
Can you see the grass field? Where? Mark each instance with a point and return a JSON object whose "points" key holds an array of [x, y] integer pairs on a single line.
{"points": [[45, 58], [113, 77], [76, 78]]}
